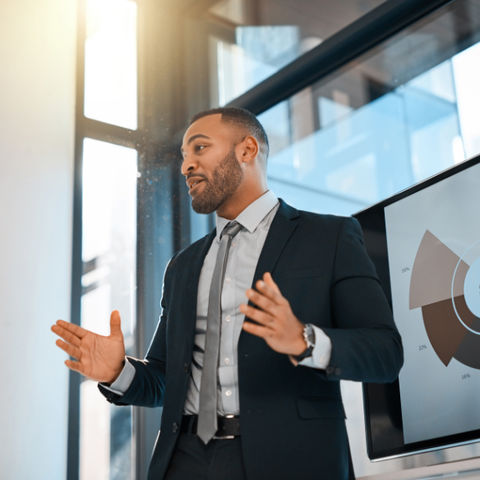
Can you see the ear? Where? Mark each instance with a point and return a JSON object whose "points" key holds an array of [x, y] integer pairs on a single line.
{"points": [[247, 149]]}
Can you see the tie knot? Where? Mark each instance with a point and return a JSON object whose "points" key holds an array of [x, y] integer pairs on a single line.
{"points": [[231, 229]]}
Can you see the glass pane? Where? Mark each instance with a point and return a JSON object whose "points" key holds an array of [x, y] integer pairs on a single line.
{"points": [[94, 448], [397, 115], [111, 62], [108, 282], [255, 39], [467, 79]]}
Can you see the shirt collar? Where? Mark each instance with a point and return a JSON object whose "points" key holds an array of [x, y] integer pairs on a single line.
{"points": [[251, 216]]}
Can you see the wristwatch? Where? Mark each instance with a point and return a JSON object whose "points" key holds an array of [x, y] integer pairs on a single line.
{"points": [[309, 336]]}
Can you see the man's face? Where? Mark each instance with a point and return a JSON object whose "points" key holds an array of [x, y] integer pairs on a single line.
{"points": [[212, 171]]}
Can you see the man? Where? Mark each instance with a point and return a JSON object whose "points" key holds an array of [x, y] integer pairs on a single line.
{"points": [[260, 321]]}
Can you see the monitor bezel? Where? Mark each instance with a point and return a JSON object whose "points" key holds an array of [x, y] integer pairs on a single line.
{"points": [[373, 393]]}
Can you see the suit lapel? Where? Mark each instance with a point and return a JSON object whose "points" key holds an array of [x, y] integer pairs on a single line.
{"points": [[194, 269], [283, 226]]}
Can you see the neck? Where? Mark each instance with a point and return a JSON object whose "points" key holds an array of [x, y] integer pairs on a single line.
{"points": [[235, 205]]}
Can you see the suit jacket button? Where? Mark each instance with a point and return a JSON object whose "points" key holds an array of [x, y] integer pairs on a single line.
{"points": [[174, 427], [330, 370], [186, 367]]}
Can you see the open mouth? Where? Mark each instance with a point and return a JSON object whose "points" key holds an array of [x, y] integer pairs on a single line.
{"points": [[194, 184]]}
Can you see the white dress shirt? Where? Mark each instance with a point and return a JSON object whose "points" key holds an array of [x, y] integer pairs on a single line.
{"points": [[242, 260]]}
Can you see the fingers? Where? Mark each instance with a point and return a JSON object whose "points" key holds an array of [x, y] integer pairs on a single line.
{"points": [[267, 277], [267, 298], [70, 349], [75, 366], [66, 335], [255, 314], [72, 328], [258, 330], [115, 324], [269, 289], [260, 300]]}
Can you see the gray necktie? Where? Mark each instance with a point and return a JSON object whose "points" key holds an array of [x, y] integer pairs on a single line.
{"points": [[207, 415]]}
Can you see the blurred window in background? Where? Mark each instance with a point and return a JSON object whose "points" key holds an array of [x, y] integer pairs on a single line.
{"points": [[398, 114], [111, 62], [254, 39], [109, 224], [108, 282]]}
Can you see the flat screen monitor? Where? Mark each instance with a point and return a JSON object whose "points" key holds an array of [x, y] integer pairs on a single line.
{"points": [[425, 243]]}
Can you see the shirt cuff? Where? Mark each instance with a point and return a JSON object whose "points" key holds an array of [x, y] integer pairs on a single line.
{"points": [[321, 352], [123, 381]]}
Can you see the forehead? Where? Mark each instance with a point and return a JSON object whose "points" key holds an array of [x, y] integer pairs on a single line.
{"points": [[210, 126]]}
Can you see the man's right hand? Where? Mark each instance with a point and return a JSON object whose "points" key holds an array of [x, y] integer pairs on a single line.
{"points": [[97, 357]]}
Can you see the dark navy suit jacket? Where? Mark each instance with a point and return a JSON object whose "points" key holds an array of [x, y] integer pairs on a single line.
{"points": [[292, 418]]}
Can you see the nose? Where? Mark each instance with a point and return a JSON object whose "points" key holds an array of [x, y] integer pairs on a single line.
{"points": [[188, 165]]}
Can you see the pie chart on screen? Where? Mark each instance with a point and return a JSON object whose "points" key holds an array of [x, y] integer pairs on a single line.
{"points": [[446, 286]]}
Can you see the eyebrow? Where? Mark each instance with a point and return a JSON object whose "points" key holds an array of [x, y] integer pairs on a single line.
{"points": [[194, 137]]}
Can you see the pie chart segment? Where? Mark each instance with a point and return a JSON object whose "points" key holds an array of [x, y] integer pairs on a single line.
{"points": [[443, 329], [432, 273], [468, 351], [472, 287], [448, 291], [445, 332]]}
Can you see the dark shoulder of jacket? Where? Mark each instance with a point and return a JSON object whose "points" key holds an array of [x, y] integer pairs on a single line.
{"points": [[328, 220], [186, 253]]}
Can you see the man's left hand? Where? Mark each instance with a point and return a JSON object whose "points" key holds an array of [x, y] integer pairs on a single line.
{"points": [[275, 321]]}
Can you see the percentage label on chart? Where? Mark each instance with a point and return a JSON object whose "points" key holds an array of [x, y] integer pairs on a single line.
{"points": [[422, 347]]}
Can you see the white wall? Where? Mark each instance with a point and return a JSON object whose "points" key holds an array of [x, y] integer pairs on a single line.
{"points": [[37, 93]]}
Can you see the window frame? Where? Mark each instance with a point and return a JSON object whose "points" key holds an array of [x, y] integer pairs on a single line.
{"points": [[360, 36]]}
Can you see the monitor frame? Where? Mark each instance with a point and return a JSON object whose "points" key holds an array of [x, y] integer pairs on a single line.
{"points": [[382, 407]]}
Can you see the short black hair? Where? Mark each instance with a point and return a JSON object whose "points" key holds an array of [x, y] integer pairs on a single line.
{"points": [[243, 118]]}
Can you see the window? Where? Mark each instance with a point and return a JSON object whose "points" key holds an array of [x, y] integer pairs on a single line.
{"points": [[101, 441], [108, 283], [249, 41], [393, 117], [111, 62]]}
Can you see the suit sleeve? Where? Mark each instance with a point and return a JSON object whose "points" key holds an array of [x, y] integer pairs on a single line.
{"points": [[366, 345], [148, 385]]}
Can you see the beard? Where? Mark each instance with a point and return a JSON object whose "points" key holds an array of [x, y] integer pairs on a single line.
{"points": [[224, 182]]}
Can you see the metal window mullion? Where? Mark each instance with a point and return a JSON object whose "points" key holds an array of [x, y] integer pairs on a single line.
{"points": [[109, 133], [73, 436]]}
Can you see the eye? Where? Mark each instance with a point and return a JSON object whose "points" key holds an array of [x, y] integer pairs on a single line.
{"points": [[199, 148]]}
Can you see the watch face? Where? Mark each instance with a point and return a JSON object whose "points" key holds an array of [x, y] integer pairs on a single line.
{"points": [[309, 335]]}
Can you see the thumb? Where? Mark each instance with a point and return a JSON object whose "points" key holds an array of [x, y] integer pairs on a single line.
{"points": [[115, 321]]}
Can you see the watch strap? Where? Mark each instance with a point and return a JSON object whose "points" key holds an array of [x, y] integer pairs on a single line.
{"points": [[309, 335]]}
